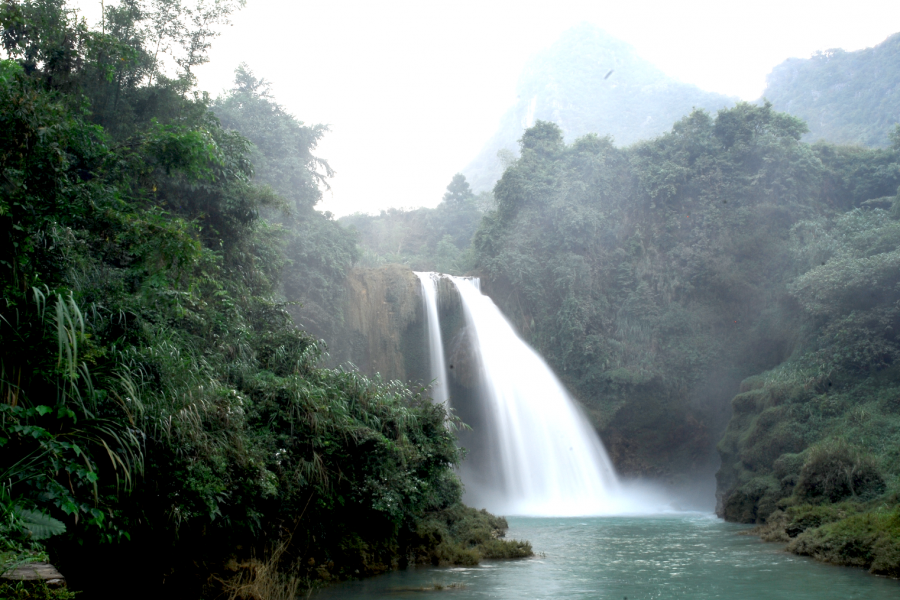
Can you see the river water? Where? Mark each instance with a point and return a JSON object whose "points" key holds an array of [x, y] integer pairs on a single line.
{"points": [[686, 555]]}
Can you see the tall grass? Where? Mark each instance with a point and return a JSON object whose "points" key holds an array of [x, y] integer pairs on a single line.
{"points": [[267, 579]]}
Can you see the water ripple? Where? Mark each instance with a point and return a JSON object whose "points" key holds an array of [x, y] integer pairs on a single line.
{"points": [[674, 556]]}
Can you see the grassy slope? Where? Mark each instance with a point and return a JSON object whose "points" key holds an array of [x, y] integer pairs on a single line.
{"points": [[818, 466]]}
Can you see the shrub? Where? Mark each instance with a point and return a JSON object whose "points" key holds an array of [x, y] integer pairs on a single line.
{"points": [[463, 535], [27, 590], [834, 471], [753, 501], [870, 540]]}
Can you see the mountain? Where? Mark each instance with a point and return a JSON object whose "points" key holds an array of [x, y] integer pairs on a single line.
{"points": [[590, 82], [844, 97]]}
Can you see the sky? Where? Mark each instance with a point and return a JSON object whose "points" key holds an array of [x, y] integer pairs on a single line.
{"points": [[412, 90]]}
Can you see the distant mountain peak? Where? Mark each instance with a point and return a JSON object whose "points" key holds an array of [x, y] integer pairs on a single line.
{"points": [[844, 97], [589, 81]]}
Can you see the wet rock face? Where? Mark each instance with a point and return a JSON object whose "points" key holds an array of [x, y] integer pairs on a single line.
{"points": [[383, 329], [462, 360]]}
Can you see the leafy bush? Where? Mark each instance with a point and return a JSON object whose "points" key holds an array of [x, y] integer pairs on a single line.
{"points": [[26, 590], [156, 397], [869, 539], [834, 471], [463, 535]]}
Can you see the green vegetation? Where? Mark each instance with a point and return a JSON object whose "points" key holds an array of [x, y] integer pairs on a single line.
{"points": [[463, 535], [812, 449], [848, 533], [424, 239], [656, 278], [160, 410], [160, 407], [22, 590], [845, 97]]}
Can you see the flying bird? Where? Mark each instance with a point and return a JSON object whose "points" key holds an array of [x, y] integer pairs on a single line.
{"points": [[608, 74]]}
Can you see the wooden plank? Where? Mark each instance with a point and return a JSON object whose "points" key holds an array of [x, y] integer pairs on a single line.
{"points": [[37, 571]]}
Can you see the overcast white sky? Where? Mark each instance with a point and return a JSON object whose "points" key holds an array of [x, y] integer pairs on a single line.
{"points": [[412, 90]]}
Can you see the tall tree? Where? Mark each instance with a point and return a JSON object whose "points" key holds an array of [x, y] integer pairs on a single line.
{"points": [[458, 192]]}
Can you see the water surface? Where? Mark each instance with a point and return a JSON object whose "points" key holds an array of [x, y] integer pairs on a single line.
{"points": [[672, 556]]}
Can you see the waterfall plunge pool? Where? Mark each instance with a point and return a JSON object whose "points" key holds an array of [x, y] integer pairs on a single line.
{"points": [[538, 454], [678, 555]]}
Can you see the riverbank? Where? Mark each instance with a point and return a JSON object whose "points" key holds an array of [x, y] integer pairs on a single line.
{"points": [[678, 555], [813, 463], [846, 534], [455, 536]]}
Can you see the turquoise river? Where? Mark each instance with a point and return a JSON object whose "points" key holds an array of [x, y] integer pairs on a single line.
{"points": [[685, 555]]}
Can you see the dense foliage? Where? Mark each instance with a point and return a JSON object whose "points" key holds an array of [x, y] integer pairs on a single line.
{"points": [[655, 278], [159, 406], [845, 97], [160, 410], [824, 427], [425, 239]]}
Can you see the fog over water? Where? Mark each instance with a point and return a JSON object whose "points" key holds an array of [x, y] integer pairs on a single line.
{"points": [[535, 452], [689, 555], [412, 91], [548, 459], [338, 287]]}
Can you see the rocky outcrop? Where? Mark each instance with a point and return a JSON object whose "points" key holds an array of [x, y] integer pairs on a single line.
{"points": [[383, 329]]}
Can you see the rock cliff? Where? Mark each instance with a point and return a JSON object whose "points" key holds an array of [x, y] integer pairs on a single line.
{"points": [[384, 325]]}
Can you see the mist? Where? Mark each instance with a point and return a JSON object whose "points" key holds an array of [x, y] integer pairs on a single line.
{"points": [[412, 95], [569, 299]]}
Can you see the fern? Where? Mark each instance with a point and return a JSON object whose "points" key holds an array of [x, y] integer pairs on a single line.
{"points": [[39, 525]]}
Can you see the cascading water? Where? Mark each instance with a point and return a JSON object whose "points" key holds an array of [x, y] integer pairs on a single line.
{"points": [[439, 391], [549, 460]]}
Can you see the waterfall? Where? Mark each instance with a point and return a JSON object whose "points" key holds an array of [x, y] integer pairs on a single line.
{"points": [[435, 345], [549, 460], [532, 450]]}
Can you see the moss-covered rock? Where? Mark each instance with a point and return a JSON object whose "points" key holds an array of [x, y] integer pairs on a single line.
{"points": [[816, 465], [869, 539], [793, 443], [753, 501], [783, 525], [463, 535]]}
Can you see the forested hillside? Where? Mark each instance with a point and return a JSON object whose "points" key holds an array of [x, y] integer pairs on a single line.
{"points": [[425, 239], [656, 278], [164, 424], [845, 97], [589, 82], [316, 251], [167, 428]]}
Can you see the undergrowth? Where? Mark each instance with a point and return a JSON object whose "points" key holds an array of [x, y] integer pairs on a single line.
{"points": [[462, 535]]}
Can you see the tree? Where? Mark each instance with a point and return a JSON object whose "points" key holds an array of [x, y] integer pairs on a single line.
{"points": [[458, 192], [284, 146], [319, 251], [154, 391]]}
